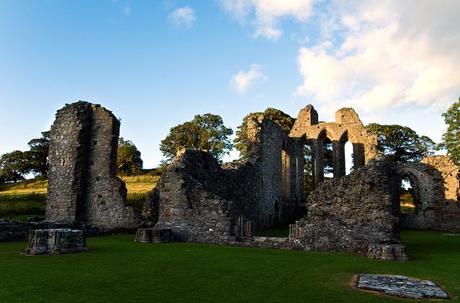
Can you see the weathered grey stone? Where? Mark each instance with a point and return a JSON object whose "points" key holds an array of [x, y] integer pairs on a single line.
{"points": [[14, 231], [154, 235], [401, 286], [201, 201], [55, 241], [352, 212], [390, 252], [243, 229], [192, 201], [347, 127], [434, 184], [82, 182]]}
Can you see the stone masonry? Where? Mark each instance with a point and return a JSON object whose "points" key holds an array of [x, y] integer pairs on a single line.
{"points": [[82, 182], [435, 188], [201, 201], [352, 212], [190, 200], [347, 127], [55, 241]]}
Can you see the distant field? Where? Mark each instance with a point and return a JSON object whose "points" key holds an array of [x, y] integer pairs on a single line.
{"points": [[26, 200], [116, 269], [407, 203]]}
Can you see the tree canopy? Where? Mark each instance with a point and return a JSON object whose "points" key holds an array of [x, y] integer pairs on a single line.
{"points": [[206, 132], [401, 143], [285, 121], [451, 138], [129, 160], [13, 166], [38, 154]]}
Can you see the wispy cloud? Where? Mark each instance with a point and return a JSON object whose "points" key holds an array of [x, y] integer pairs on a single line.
{"points": [[183, 16], [243, 80], [265, 15], [385, 54]]}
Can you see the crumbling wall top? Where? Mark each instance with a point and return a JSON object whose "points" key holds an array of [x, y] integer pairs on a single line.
{"points": [[347, 115]]}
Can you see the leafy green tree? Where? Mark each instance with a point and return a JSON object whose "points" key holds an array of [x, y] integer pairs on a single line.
{"points": [[13, 166], [241, 141], [401, 143], [38, 154], [206, 132], [451, 138], [129, 160]]}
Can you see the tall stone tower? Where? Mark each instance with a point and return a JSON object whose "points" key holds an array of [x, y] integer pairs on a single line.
{"points": [[82, 182]]}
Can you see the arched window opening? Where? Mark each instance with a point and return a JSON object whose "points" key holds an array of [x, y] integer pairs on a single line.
{"points": [[349, 167], [285, 173], [328, 152], [406, 197], [309, 182]]}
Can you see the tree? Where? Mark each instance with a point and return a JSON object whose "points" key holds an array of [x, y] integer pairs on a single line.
{"points": [[38, 154], [206, 132], [401, 143], [129, 160], [241, 141], [451, 138], [13, 166]]}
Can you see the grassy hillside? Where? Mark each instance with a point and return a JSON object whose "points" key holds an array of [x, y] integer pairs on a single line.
{"points": [[116, 269], [26, 200]]}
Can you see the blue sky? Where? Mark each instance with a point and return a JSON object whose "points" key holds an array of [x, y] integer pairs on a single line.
{"points": [[157, 63]]}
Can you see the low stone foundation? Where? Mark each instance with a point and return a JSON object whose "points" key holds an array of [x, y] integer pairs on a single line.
{"points": [[153, 235], [15, 231], [55, 241], [391, 252]]}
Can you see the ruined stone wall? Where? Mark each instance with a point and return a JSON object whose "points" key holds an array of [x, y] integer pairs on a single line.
{"points": [[352, 212], [435, 186], [450, 174], [191, 200], [203, 202], [68, 159], [82, 182], [274, 180], [106, 193], [428, 193], [347, 127]]}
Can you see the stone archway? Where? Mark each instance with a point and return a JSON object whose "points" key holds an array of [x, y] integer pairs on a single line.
{"points": [[427, 191], [347, 127]]}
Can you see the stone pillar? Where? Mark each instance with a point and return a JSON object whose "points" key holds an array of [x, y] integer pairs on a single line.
{"points": [[68, 160], [82, 182], [244, 229], [358, 155], [338, 159], [317, 149]]}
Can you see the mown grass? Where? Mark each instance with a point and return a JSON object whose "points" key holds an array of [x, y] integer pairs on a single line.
{"points": [[115, 269], [24, 201], [407, 203]]}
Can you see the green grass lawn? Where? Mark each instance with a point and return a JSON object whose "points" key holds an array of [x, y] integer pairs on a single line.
{"points": [[115, 269]]}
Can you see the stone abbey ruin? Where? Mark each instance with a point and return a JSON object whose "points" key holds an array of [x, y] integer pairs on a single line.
{"points": [[199, 200]]}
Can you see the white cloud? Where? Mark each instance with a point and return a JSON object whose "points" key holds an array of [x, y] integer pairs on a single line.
{"points": [[385, 54], [265, 14], [243, 80], [183, 16]]}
